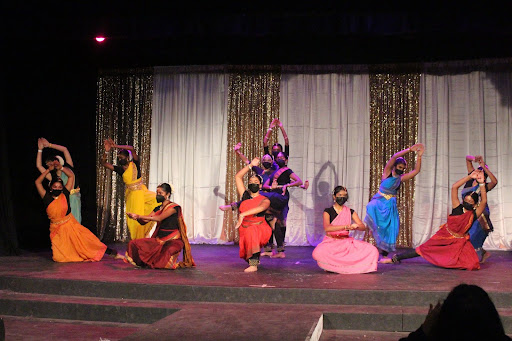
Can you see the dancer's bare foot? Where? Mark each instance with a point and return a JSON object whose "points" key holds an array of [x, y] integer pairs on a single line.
{"points": [[266, 253], [485, 256], [278, 255], [118, 256], [385, 260], [251, 268]]}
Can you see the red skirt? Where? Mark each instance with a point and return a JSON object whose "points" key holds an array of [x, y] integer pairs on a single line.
{"points": [[151, 252], [253, 236], [449, 250]]}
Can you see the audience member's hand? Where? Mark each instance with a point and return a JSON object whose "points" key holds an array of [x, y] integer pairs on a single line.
{"points": [[432, 318]]}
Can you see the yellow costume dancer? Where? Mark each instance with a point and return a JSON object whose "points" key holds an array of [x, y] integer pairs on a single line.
{"points": [[139, 200]]}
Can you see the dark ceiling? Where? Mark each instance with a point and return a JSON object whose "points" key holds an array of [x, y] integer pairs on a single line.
{"points": [[145, 33]]}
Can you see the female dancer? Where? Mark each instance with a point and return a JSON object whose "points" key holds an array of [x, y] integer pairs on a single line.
{"points": [[252, 227], [276, 148], [74, 198], [278, 185], [338, 252], [450, 246], [381, 212], [138, 199], [481, 227], [161, 251], [71, 242]]}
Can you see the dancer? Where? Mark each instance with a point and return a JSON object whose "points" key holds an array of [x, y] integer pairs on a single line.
{"points": [[71, 242], [381, 212], [266, 161], [137, 197], [450, 246], [483, 226], [252, 227], [161, 251], [276, 148], [58, 163], [278, 185], [338, 252]]}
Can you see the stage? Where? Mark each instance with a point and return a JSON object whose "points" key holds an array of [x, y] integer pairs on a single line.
{"points": [[287, 299]]}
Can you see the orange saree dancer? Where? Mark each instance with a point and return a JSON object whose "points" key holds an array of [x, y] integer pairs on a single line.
{"points": [[71, 242], [161, 251]]}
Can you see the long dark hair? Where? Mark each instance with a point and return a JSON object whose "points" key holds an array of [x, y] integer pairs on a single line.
{"points": [[468, 313]]}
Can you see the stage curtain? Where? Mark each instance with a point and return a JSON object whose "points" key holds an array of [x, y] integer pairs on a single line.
{"points": [[188, 146], [326, 117], [123, 113], [461, 114], [394, 105], [253, 102]]}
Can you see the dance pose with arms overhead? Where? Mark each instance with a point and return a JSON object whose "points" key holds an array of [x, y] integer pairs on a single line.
{"points": [[381, 212], [450, 246], [138, 198]]}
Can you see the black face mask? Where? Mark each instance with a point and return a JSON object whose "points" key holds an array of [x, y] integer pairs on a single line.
{"points": [[254, 188], [160, 198], [56, 192], [341, 200], [266, 165], [280, 163], [122, 162], [467, 205], [275, 154], [399, 171]]}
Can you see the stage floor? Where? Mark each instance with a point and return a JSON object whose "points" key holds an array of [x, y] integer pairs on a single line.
{"points": [[221, 266], [71, 299]]}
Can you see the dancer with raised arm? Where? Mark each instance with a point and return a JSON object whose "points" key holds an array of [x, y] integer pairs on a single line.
{"points": [[162, 249], [253, 229], [483, 226], [450, 246], [139, 200], [71, 242], [276, 148], [381, 212], [338, 252], [57, 161]]}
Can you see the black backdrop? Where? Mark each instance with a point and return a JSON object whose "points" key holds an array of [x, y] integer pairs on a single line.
{"points": [[49, 77]]}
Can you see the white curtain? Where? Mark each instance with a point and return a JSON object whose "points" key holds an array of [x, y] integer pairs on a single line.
{"points": [[188, 146], [326, 117], [460, 115]]}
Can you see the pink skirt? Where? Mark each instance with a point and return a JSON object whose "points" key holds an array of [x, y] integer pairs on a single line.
{"points": [[346, 256]]}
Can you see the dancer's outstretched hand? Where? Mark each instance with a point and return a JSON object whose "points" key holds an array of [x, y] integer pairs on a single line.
{"points": [[255, 162], [470, 158], [133, 215], [237, 146], [40, 145], [240, 221], [107, 145]]}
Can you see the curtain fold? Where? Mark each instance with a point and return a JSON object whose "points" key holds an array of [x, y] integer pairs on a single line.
{"points": [[188, 144], [326, 117], [463, 114], [123, 113], [394, 105], [253, 102]]}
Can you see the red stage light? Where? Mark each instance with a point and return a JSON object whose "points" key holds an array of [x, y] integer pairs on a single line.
{"points": [[100, 39]]}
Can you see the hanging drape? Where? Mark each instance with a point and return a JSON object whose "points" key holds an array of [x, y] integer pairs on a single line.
{"points": [[461, 114], [253, 102], [393, 127], [188, 146], [326, 117], [123, 113]]}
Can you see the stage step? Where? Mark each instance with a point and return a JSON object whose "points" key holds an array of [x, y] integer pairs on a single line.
{"points": [[222, 294], [360, 335]]}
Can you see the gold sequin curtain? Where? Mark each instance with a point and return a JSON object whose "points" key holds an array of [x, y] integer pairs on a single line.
{"points": [[253, 102], [394, 110], [123, 113]]}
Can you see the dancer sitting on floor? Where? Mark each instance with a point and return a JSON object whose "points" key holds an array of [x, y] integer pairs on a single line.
{"points": [[253, 229], [450, 246], [71, 242], [338, 252], [58, 163], [381, 212], [483, 226], [137, 197], [161, 251]]}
